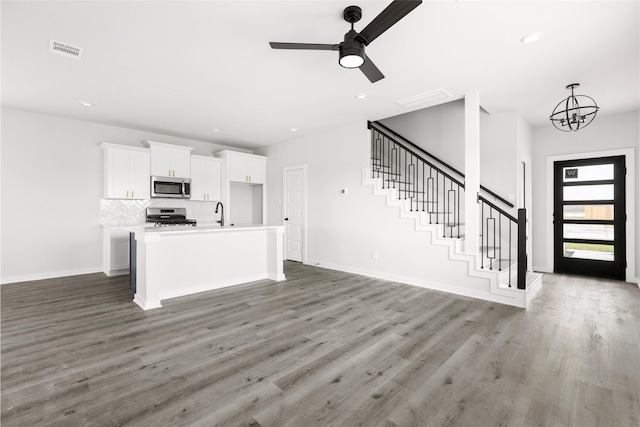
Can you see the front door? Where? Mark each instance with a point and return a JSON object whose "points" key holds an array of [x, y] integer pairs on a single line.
{"points": [[589, 217]]}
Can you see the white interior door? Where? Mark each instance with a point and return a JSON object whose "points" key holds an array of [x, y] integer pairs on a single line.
{"points": [[294, 212]]}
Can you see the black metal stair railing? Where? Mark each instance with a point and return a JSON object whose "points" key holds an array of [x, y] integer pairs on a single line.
{"points": [[451, 170], [503, 241], [428, 187], [432, 188]]}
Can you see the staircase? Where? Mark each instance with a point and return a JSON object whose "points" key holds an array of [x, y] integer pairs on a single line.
{"points": [[431, 193]]}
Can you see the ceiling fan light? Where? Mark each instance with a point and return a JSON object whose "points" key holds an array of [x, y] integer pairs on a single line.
{"points": [[351, 60], [351, 51]]}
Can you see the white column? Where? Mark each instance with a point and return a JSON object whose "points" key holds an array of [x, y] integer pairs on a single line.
{"points": [[472, 171], [275, 253], [146, 295]]}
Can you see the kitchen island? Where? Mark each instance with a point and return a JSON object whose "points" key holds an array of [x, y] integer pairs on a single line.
{"points": [[178, 261]]}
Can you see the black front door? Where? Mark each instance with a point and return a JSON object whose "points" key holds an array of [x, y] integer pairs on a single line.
{"points": [[589, 217]]}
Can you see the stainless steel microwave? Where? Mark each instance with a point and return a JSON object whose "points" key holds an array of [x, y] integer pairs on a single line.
{"points": [[168, 187]]}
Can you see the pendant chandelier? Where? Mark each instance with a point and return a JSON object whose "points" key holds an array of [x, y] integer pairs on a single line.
{"points": [[575, 112]]}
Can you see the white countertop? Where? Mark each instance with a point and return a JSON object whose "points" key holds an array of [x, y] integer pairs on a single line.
{"points": [[150, 229]]}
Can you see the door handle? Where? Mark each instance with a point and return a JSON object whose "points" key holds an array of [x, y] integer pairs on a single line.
{"points": [[286, 219]]}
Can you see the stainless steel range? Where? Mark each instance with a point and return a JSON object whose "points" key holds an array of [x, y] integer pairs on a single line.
{"points": [[167, 217]]}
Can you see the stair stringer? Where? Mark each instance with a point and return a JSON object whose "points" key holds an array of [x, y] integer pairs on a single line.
{"points": [[496, 292]]}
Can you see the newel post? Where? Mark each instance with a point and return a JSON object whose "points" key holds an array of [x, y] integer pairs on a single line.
{"points": [[522, 248]]}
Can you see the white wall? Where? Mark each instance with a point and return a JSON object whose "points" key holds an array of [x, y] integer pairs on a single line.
{"points": [[52, 183], [343, 230], [439, 130], [605, 133], [498, 153], [246, 203]]}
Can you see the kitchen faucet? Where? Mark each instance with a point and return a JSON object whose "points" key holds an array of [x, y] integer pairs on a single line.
{"points": [[220, 205]]}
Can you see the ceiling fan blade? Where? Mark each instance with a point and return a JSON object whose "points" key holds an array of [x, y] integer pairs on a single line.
{"points": [[397, 10], [370, 70], [304, 46]]}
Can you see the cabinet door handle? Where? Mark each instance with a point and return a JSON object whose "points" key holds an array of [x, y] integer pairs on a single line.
{"points": [[132, 194], [127, 194]]}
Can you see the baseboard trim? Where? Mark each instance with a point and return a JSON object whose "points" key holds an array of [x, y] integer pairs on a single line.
{"points": [[49, 275], [425, 284], [541, 269]]}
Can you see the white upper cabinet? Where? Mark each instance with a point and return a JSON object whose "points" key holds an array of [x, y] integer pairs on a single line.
{"points": [[243, 167], [205, 178], [126, 172], [170, 160], [243, 188]]}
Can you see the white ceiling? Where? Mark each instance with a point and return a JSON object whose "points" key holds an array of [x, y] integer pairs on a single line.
{"points": [[184, 68]]}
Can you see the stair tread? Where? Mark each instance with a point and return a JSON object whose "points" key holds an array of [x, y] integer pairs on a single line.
{"points": [[399, 182], [385, 173], [500, 265]]}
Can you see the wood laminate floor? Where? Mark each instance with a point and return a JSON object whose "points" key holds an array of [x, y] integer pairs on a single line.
{"points": [[323, 348]]}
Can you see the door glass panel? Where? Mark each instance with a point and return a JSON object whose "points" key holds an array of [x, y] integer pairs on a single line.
{"points": [[588, 231], [588, 251], [588, 173], [588, 192], [588, 212]]}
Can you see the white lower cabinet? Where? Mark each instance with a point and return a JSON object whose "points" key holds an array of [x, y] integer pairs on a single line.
{"points": [[115, 250], [205, 178]]}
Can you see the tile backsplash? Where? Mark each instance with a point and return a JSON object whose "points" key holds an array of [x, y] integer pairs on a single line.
{"points": [[131, 212]]}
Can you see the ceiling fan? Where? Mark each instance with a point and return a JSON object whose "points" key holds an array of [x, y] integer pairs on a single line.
{"points": [[351, 50]]}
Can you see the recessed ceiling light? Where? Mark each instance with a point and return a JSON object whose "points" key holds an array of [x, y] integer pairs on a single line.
{"points": [[361, 96], [294, 129], [530, 38], [215, 130], [85, 104]]}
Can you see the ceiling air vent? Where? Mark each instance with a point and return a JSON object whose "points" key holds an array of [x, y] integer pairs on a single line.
{"points": [[423, 99], [65, 49]]}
